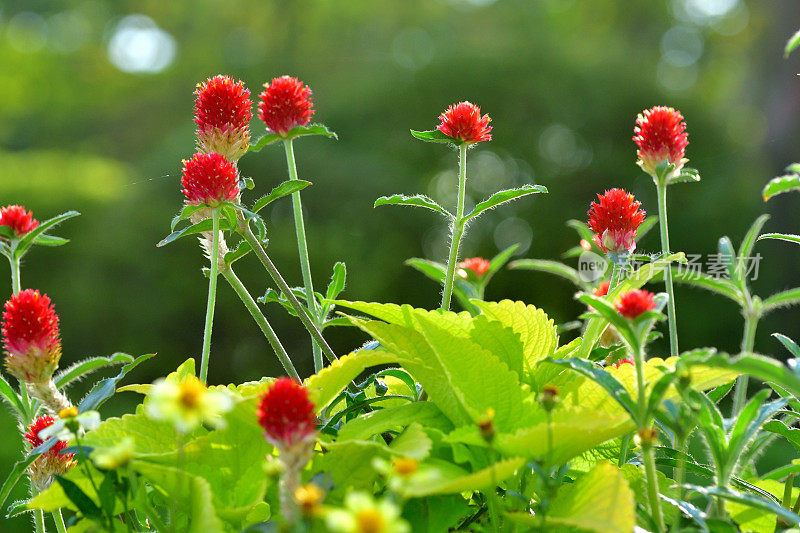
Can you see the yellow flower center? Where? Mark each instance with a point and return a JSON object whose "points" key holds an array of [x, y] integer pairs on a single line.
{"points": [[189, 393], [69, 412], [370, 521]]}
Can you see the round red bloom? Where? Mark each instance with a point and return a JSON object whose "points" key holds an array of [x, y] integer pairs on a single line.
{"points": [[285, 104], [463, 121], [477, 265], [614, 219], [286, 413], [660, 134], [18, 219], [633, 303], [209, 179], [222, 112], [31, 336], [601, 289], [32, 436]]}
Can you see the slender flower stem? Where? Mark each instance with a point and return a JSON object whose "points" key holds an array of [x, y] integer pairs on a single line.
{"points": [[748, 340], [663, 226], [262, 322], [458, 228], [16, 283], [61, 527], [302, 314], [647, 447], [302, 247], [38, 521], [212, 295]]}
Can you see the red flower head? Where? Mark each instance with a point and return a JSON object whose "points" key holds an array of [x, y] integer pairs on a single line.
{"points": [[633, 303], [463, 121], [286, 414], [660, 134], [18, 219], [222, 112], [31, 337], [209, 179], [614, 219], [50, 463], [285, 104], [601, 289], [477, 265]]}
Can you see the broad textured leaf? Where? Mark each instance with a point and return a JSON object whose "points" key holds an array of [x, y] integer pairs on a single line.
{"points": [[502, 197], [600, 501], [284, 189], [781, 184], [417, 200]]}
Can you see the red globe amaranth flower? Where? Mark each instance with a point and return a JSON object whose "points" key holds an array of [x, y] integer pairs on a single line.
{"points": [[285, 104], [660, 134], [614, 219], [463, 121], [222, 112], [31, 337], [601, 289], [18, 219], [32, 436], [50, 463], [209, 179], [633, 303], [286, 413], [477, 265]]}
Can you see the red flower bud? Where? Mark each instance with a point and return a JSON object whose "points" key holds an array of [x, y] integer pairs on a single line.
{"points": [[633, 303], [286, 413], [222, 112], [477, 265], [209, 179], [660, 134], [18, 219], [31, 336], [285, 104], [463, 121], [614, 219]]}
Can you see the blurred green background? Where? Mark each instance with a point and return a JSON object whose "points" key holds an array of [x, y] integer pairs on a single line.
{"points": [[96, 114]]}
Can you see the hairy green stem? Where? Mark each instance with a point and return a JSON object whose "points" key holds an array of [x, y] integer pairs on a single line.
{"points": [[663, 226], [748, 340], [458, 228], [262, 322], [212, 295], [61, 527], [302, 247], [302, 314]]}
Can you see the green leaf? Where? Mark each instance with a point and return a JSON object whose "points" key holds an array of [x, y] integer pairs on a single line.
{"points": [[746, 499], [792, 43], [435, 136], [788, 237], [446, 478], [551, 267], [332, 379], [789, 344], [780, 185], [103, 390], [600, 501], [203, 225], [781, 299], [284, 189], [502, 197], [82, 368], [30, 238], [417, 200]]}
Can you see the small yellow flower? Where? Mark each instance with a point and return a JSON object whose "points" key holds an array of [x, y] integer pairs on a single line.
{"points": [[364, 514], [187, 404]]}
